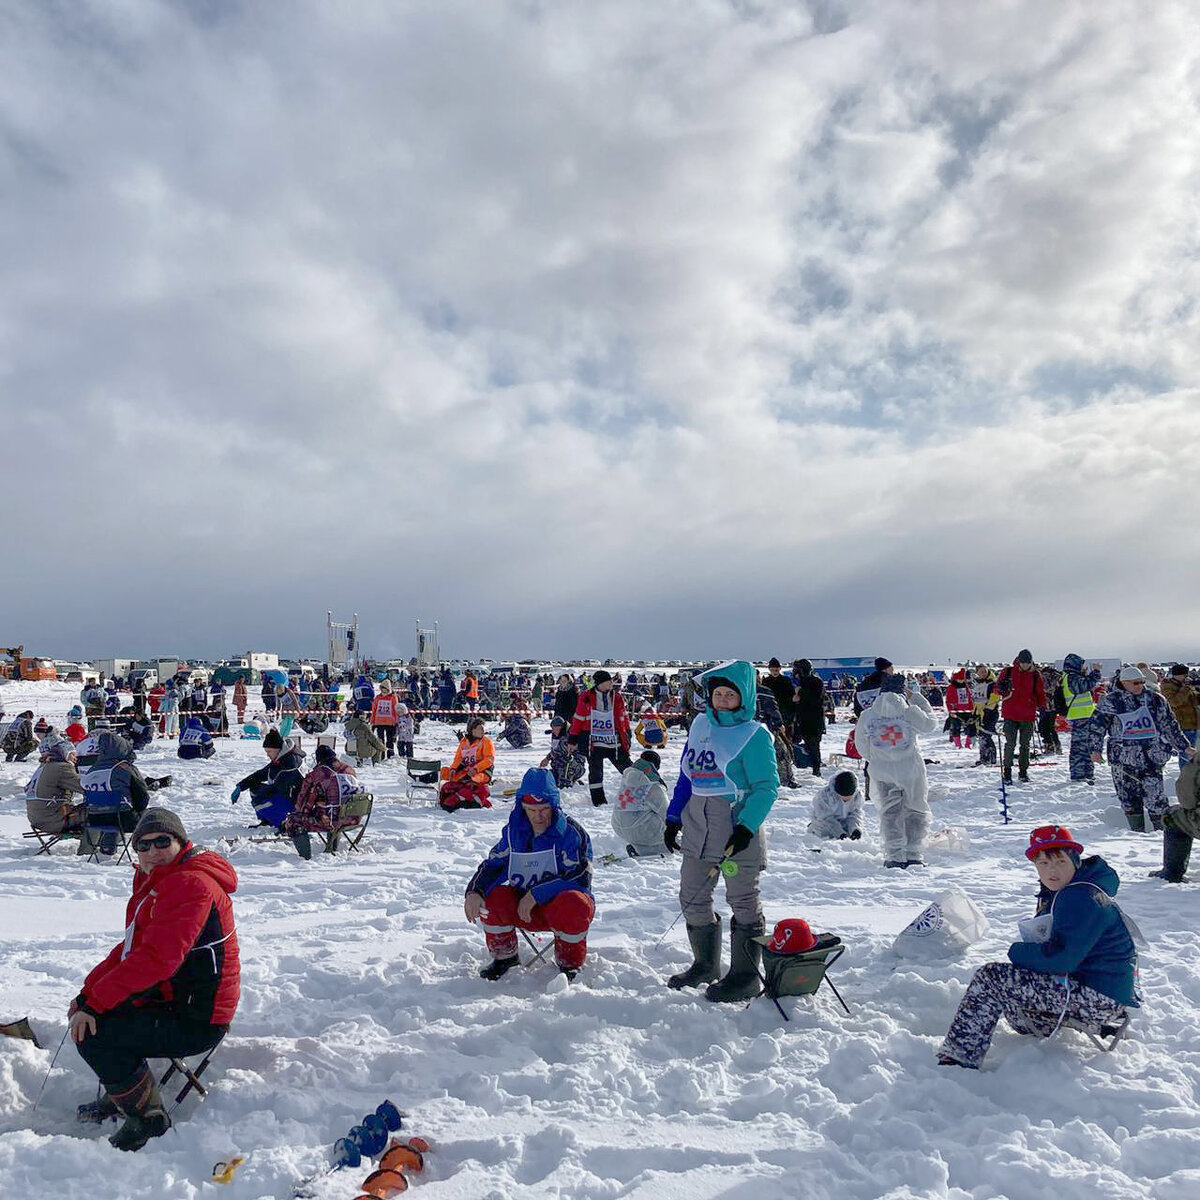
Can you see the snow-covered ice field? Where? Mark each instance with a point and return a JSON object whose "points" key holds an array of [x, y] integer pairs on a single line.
{"points": [[359, 983]]}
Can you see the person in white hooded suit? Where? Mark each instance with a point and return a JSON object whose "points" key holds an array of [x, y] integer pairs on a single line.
{"points": [[886, 736]]}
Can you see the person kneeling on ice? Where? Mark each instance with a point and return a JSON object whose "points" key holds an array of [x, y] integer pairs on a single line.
{"points": [[565, 763], [886, 736], [468, 776], [728, 781], [366, 744], [1076, 960], [838, 809], [538, 876], [195, 741], [640, 815], [273, 788], [170, 989]]}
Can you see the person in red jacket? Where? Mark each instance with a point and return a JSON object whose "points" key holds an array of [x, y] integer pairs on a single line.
{"points": [[170, 989], [960, 709], [1023, 696], [600, 728]]}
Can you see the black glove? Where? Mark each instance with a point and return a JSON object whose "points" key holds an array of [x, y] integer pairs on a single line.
{"points": [[740, 840], [671, 836], [856, 835]]}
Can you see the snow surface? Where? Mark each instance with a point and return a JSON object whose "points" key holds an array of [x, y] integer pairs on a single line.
{"points": [[359, 983]]}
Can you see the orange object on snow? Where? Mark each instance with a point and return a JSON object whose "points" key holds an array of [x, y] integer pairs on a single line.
{"points": [[385, 1183]]}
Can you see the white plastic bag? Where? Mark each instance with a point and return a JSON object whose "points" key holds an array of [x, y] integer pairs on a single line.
{"points": [[953, 838], [945, 928]]}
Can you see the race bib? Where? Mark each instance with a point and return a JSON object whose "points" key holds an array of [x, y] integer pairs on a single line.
{"points": [[527, 869], [867, 697], [348, 785], [1136, 726], [706, 775], [604, 728]]}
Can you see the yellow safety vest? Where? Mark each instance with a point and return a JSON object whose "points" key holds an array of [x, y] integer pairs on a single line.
{"points": [[1080, 705]]}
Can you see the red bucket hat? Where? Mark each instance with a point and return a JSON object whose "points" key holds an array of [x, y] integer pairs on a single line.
{"points": [[792, 936], [1051, 837]]}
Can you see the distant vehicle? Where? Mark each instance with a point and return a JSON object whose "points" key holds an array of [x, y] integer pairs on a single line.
{"points": [[149, 675]]}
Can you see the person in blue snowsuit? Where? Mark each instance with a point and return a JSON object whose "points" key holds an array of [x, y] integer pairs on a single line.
{"points": [[1076, 687], [112, 701], [1142, 736], [538, 876], [195, 741], [1076, 960], [364, 694], [728, 781]]}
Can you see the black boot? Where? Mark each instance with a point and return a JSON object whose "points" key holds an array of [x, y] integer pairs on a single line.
{"points": [[1137, 821], [303, 843], [145, 1116], [706, 953], [1177, 849], [499, 967], [743, 981]]}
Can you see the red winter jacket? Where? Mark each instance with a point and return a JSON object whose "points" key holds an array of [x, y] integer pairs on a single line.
{"points": [[958, 694], [581, 723], [1023, 691], [180, 944]]}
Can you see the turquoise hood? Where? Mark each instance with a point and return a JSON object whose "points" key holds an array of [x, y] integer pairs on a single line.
{"points": [[744, 677]]}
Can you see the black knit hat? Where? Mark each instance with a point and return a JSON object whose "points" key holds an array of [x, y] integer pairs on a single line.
{"points": [[159, 820], [273, 740], [652, 757], [1025, 656], [600, 677], [882, 664], [845, 784], [774, 663]]}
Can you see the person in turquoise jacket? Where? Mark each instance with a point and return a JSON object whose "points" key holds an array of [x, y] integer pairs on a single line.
{"points": [[728, 781]]}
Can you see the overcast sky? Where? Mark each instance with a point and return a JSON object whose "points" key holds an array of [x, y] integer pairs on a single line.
{"points": [[601, 327]]}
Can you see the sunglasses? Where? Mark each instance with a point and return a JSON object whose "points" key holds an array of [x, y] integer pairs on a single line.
{"points": [[155, 843]]}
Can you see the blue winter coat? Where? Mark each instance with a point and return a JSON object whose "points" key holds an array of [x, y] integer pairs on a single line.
{"points": [[569, 841], [1088, 938], [364, 694]]}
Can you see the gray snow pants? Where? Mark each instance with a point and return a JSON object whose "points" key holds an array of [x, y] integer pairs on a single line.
{"points": [[902, 828], [1031, 1001], [707, 828]]}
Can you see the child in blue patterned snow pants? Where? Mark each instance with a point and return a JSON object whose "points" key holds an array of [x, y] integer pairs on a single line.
{"points": [[1031, 1001]]}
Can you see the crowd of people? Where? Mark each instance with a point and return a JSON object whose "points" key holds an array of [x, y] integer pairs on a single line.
{"points": [[172, 986]]}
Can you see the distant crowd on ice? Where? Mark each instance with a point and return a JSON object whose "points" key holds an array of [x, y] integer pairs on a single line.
{"points": [[171, 987]]}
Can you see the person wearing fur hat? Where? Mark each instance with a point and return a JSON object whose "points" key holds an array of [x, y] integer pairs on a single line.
{"points": [[1142, 735], [728, 781], [837, 809], [639, 815], [1076, 959], [170, 989], [600, 728], [886, 737], [538, 876], [273, 789]]}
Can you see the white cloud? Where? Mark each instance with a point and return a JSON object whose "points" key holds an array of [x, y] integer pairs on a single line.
{"points": [[656, 326]]}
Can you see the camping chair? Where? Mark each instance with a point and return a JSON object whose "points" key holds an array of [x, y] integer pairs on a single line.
{"points": [[422, 775], [357, 804], [534, 946], [178, 1066], [1105, 1037], [47, 841], [800, 974], [100, 823]]}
